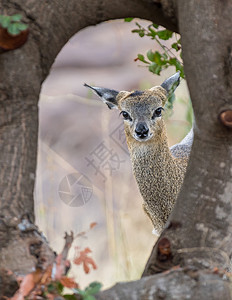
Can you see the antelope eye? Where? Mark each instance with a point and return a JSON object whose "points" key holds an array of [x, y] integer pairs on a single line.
{"points": [[157, 112], [125, 115]]}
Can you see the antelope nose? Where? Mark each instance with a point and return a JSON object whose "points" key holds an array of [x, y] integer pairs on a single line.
{"points": [[142, 130]]}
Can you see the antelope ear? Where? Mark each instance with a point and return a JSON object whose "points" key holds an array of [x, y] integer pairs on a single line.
{"points": [[171, 83], [107, 96]]}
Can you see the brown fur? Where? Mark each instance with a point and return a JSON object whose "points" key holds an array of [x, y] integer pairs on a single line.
{"points": [[159, 171]]}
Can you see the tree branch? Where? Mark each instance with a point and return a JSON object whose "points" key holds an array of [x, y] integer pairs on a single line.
{"points": [[175, 284]]}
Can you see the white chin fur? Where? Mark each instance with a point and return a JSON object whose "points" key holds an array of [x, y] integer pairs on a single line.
{"points": [[142, 140]]}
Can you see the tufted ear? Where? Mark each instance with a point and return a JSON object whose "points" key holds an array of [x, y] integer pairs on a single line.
{"points": [[107, 96], [171, 83]]}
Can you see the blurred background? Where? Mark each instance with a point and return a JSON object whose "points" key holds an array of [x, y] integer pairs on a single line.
{"points": [[84, 171]]}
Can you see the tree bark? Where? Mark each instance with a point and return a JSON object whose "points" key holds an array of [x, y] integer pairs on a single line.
{"points": [[176, 284], [198, 234], [22, 71], [199, 228]]}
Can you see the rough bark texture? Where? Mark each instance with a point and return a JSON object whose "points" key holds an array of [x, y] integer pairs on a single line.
{"points": [[198, 236], [178, 284], [203, 211]]}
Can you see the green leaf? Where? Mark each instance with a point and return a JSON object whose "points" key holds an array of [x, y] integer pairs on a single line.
{"points": [[189, 113], [174, 62], [141, 58], [78, 291], [164, 34], [179, 67], [169, 103], [152, 32], [13, 29], [139, 31], [137, 24], [128, 19], [93, 288], [155, 26], [151, 55], [165, 56], [70, 297], [157, 58], [22, 26], [16, 18], [176, 46], [5, 21], [89, 297], [154, 68], [60, 287], [51, 287], [171, 99]]}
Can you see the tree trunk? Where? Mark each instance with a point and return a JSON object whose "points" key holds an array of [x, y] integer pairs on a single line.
{"points": [[200, 226], [198, 235]]}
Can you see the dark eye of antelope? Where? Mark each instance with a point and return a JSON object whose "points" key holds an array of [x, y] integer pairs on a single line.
{"points": [[125, 115], [157, 112]]}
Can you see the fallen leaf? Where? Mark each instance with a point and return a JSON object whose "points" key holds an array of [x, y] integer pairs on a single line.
{"points": [[83, 258], [68, 282], [92, 225]]}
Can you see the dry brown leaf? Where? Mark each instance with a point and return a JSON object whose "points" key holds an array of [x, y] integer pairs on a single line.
{"points": [[68, 282], [92, 225], [83, 258]]}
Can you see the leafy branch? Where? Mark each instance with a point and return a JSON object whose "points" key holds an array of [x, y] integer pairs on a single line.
{"points": [[86, 294], [158, 61], [13, 24]]}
